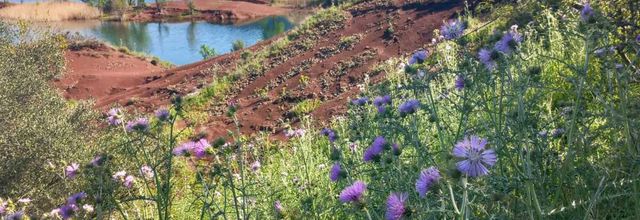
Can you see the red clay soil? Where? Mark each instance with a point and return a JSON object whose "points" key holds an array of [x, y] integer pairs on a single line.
{"points": [[215, 10], [95, 73], [332, 76]]}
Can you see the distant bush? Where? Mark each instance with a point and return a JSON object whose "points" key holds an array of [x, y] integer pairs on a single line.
{"points": [[41, 133], [237, 45]]}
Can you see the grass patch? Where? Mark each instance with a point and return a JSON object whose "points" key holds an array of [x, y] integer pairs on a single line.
{"points": [[305, 107], [50, 11]]}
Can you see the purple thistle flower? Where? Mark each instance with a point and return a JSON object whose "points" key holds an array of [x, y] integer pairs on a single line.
{"points": [[72, 170], [15, 216], [118, 176], [453, 29], [146, 172], [184, 148], [373, 152], [331, 134], [73, 199], [476, 157], [140, 125], [97, 161], [278, 207], [200, 147], [638, 38], [586, 12], [128, 181], [418, 57], [508, 42], [382, 100], [255, 166], [487, 58], [114, 116], [428, 177], [336, 172], [353, 193], [163, 114], [409, 107], [67, 211], [557, 132], [360, 101], [395, 206], [459, 83]]}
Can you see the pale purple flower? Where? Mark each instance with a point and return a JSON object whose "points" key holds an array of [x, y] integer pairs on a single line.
{"points": [[184, 148], [353, 193], [428, 177], [128, 181], [295, 133], [453, 29], [360, 101], [587, 12], [255, 166], [409, 107], [71, 171], [277, 206], [638, 38], [395, 206], [119, 175], [353, 147], [459, 83], [146, 172], [73, 199], [97, 161], [3, 207], [487, 58], [373, 152], [163, 114], [114, 116], [418, 57], [336, 172], [140, 125], [476, 157]]}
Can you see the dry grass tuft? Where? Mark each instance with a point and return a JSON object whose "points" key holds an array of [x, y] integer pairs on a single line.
{"points": [[50, 11]]}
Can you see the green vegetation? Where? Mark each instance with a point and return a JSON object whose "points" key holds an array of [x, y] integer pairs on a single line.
{"points": [[526, 113], [237, 45], [306, 106], [42, 134], [207, 52]]}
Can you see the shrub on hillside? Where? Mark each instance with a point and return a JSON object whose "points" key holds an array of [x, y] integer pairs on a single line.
{"points": [[41, 132]]}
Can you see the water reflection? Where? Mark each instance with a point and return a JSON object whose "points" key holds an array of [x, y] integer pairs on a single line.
{"points": [[178, 42]]}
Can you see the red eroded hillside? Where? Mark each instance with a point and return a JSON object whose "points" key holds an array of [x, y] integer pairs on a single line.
{"points": [[332, 59]]}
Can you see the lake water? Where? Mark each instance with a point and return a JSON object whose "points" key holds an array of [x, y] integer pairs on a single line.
{"points": [[178, 42]]}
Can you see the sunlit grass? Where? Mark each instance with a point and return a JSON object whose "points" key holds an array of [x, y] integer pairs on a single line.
{"points": [[50, 11]]}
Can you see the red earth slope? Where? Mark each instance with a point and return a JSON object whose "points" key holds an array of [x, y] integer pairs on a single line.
{"points": [[331, 72]]}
